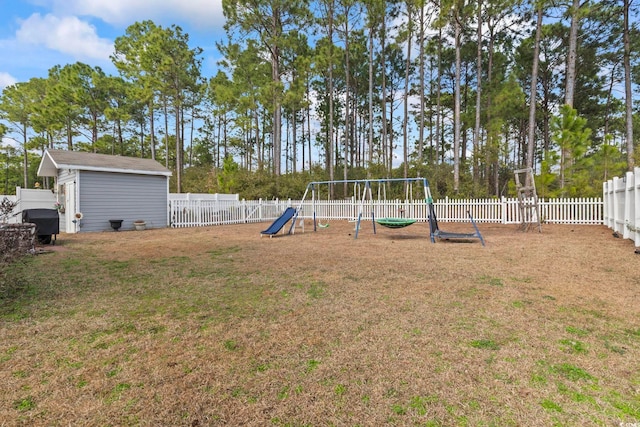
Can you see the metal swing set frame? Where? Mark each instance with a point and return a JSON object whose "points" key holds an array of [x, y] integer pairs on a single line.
{"points": [[363, 189]]}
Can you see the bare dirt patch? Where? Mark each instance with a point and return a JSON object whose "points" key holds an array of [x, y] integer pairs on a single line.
{"points": [[219, 326]]}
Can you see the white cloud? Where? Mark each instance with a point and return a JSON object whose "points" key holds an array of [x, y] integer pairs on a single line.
{"points": [[200, 13], [10, 142], [6, 79], [66, 34]]}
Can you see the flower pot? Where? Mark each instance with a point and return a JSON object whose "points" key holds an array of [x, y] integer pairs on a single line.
{"points": [[139, 225], [115, 224]]}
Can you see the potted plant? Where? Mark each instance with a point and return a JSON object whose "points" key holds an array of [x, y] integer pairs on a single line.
{"points": [[139, 224], [115, 224]]}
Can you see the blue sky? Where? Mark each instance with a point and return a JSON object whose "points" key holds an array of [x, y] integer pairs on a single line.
{"points": [[36, 35]]}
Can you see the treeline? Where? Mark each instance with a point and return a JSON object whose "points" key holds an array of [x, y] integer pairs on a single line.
{"points": [[460, 92]]}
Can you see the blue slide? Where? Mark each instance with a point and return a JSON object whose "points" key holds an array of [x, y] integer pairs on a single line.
{"points": [[280, 222]]}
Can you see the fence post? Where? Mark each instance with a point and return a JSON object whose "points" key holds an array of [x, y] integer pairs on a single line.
{"points": [[605, 204], [18, 207], [614, 203], [629, 184], [445, 209], [610, 205], [243, 206], [636, 204]]}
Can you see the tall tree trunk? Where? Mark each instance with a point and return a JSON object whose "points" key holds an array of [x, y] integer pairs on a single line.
{"points": [[347, 118], [302, 146], [178, 151], [532, 97], [370, 135], [465, 87], [166, 133], [218, 142], [421, 66], [331, 153], [492, 167], [94, 132], [383, 36], [286, 144], [191, 130], [570, 81], [25, 157], [121, 140], [456, 106], [407, 72], [141, 140], [572, 53], [627, 87], [309, 125], [431, 112], [277, 116], [152, 130], [438, 132], [476, 130], [392, 107], [225, 145], [294, 145], [256, 119], [69, 134]]}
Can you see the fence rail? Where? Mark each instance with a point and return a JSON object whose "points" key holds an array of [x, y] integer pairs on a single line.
{"points": [[194, 213], [622, 205]]}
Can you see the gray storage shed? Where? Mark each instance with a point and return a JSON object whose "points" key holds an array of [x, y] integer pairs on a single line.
{"points": [[93, 189]]}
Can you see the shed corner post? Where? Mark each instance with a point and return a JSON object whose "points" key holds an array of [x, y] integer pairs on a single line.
{"points": [[169, 204]]}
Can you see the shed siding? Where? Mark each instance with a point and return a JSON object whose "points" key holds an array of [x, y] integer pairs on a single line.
{"points": [[106, 195], [65, 175]]}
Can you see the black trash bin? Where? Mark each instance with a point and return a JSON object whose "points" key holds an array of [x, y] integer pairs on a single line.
{"points": [[47, 223]]}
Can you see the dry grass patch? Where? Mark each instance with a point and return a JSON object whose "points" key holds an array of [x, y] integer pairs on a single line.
{"points": [[217, 326]]}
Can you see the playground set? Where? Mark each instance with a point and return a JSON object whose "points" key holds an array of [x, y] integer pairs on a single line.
{"points": [[363, 192]]}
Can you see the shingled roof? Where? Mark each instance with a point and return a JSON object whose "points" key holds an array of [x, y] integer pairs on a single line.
{"points": [[54, 160]]}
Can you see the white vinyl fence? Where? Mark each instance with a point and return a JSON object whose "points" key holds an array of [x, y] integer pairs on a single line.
{"points": [[29, 199], [194, 213], [196, 210], [622, 205]]}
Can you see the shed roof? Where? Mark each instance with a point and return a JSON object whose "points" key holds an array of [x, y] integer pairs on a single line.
{"points": [[54, 160]]}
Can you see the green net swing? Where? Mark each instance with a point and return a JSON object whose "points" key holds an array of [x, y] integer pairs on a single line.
{"points": [[395, 222]]}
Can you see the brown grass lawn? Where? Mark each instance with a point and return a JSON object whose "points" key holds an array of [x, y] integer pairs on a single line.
{"points": [[218, 326]]}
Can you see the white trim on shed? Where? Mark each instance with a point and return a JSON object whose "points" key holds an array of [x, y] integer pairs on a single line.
{"points": [[55, 160]]}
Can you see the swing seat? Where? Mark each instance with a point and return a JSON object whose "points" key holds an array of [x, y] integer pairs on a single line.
{"points": [[395, 222]]}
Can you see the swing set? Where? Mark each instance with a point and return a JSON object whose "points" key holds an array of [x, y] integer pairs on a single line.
{"points": [[365, 192]]}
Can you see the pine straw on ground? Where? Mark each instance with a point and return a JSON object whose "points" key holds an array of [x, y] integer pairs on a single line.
{"points": [[218, 326]]}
